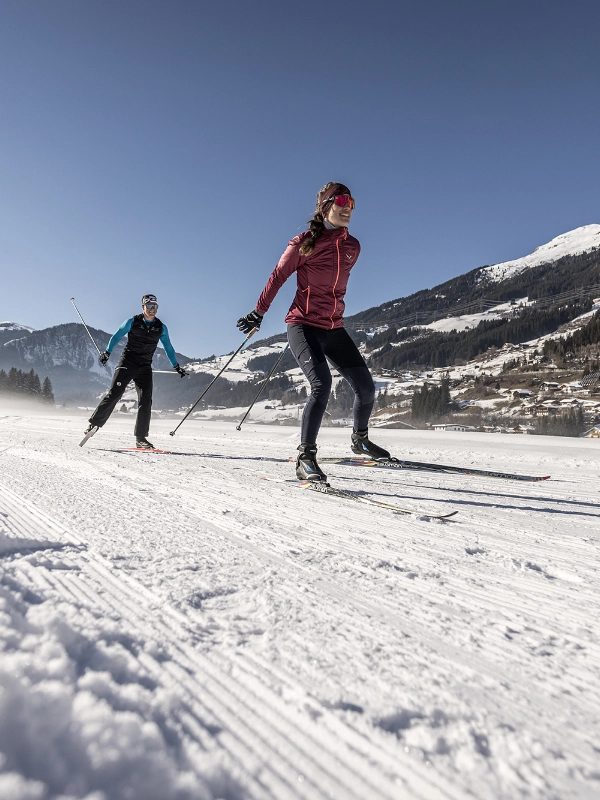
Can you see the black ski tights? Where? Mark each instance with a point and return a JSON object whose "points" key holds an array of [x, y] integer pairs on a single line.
{"points": [[312, 347]]}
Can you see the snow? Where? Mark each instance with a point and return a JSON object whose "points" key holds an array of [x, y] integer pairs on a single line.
{"points": [[238, 371], [465, 321], [172, 627], [14, 326], [579, 240]]}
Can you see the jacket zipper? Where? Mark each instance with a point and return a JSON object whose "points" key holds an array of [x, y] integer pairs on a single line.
{"points": [[307, 290]]}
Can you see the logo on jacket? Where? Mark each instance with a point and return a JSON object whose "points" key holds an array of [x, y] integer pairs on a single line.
{"points": [[349, 256]]}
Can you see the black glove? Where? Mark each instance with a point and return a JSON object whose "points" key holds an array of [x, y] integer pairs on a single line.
{"points": [[250, 321], [103, 357], [180, 370]]}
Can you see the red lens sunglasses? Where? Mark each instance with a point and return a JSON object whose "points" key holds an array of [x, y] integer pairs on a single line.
{"points": [[343, 200]]}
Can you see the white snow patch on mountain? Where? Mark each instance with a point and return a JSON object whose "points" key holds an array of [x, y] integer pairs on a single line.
{"points": [[579, 240], [15, 326], [465, 321], [238, 370]]}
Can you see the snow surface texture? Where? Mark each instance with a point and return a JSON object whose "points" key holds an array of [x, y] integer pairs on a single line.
{"points": [[579, 240], [172, 627]]}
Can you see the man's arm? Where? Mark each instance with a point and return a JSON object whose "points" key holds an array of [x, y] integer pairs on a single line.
{"points": [[116, 337], [166, 343]]}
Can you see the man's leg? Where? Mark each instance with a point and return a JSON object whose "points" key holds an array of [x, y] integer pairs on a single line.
{"points": [[121, 378], [143, 385]]}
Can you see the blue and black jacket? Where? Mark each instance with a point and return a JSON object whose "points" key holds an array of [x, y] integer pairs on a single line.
{"points": [[142, 340]]}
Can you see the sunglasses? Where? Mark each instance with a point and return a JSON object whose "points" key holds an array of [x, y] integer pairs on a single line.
{"points": [[151, 306], [343, 200]]}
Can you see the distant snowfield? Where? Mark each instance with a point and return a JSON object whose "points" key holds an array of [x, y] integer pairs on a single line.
{"points": [[579, 240], [172, 627]]}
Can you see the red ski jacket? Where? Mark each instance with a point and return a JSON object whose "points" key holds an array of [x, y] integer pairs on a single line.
{"points": [[322, 279]]}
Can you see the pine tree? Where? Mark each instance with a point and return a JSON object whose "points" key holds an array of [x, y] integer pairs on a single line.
{"points": [[47, 393]]}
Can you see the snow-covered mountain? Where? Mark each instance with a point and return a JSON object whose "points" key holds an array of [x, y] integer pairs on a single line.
{"points": [[575, 242], [67, 356], [13, 330], [567, 263]]}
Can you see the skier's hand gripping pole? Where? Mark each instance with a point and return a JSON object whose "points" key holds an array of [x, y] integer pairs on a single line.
{"points": [[262, 388], [252, 332]]}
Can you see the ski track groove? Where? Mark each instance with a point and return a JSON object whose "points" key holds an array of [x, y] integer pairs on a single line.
{"points": [[283, 557], [484, 597], [311, 533], [231, 701], [518, 607], [389, 617]]}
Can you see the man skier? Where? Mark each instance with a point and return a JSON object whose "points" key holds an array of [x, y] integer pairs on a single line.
{"points": [[144, 331]]}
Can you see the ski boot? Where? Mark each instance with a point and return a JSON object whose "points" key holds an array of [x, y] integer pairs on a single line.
{"points": [[307, 468], [363, 446], [144, 444], [88, 433]]}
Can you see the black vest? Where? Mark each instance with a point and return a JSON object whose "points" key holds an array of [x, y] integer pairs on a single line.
{"points": [[142, 340]]}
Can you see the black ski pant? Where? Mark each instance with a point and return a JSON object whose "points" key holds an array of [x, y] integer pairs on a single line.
{"points": [[126, 371], [312, 347]]}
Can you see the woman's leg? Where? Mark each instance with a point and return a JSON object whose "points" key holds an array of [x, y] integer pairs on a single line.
{"points": [[347, 359], [306, 344]]}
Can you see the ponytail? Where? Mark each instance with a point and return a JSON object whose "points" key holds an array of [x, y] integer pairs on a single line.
{"points": [[317, 223]]}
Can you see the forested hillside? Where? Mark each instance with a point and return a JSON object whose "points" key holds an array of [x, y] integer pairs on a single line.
{"points": [[570, 273]]}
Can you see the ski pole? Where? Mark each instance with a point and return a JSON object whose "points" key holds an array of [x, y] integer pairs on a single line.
{"points": [[252, 332], [86, 327], [260, 391]]}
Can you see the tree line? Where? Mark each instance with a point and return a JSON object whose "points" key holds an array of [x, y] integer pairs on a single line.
{"points": [[434, 349], [587, 335], [15, 381], [431, 401], [566, 274]]}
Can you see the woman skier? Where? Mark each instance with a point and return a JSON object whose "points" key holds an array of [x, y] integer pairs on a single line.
{"points": [[322, 258]]}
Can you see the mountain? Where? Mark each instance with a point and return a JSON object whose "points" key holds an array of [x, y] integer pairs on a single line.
{"points": [[12, 330], [451, 324], [572, 243], [66, 355], [567, 263]]}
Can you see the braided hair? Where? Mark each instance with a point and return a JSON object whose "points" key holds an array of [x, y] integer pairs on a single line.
{"points": [[317, 223]]}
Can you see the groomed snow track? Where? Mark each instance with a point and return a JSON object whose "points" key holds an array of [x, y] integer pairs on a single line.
{"points": [[312, 649]]}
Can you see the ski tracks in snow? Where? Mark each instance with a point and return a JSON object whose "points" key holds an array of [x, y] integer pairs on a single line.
{"points": [[312, 648], [275, 748]]}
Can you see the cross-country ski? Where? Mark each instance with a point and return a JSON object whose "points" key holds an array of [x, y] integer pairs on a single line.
{"points": [[323, 487], [398, 463]]}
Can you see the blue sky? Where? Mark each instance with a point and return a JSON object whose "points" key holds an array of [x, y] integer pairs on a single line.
{"points": [[176, 146]]}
